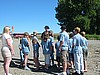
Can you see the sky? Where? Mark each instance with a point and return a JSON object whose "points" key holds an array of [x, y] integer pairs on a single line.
{"points": [[28, 15]]}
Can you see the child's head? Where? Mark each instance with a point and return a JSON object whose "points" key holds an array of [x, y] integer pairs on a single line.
{"points": [[26, 34], [71, 34], [77, 29], [51, 33], [34, 41], [83, 33], [34, 33]]}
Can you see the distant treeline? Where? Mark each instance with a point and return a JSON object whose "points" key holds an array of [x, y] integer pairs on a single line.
{"points": [[93, 37], [88, 36]]}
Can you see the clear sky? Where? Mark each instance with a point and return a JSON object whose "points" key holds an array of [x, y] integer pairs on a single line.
{"points": [[28, 15]]}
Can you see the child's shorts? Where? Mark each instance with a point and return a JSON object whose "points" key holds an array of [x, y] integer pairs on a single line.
{"points": [[26, 50], [47, 58], [85, 54]]}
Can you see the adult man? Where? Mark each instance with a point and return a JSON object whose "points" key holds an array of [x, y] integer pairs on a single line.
{"points": [[64, 38], [46, 32]]}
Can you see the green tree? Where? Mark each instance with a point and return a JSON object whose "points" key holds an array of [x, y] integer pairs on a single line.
{"points": [[98, 17], [81, 13]]}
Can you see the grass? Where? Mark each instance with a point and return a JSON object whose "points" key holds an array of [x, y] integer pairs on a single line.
{"points": [[88, 36], [93, 37]]}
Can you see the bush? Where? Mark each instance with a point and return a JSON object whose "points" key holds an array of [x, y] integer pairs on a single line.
{"points": [[93, 37], [88, 36]]}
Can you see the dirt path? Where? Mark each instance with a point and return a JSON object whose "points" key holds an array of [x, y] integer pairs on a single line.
{"points": [[93, 61]]}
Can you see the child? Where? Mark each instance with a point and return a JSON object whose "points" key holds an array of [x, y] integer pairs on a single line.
{"points": [[21, 54], [58, 55], [25, 49], [70, 50], [35, 50], [46, 46], [85, 51], [52, 51]]}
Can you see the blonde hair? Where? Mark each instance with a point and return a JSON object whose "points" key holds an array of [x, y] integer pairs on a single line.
{"points": [[83, 33], [6, 29], [77, 29]]}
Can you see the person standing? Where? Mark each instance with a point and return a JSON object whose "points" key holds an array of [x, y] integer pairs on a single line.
{"points": [[58, 54], [36, 45], [21, 54], [46, 47], [45, 32], [70, 49], [64, 39], [7, 49], [78, 53], [25, 42], [85, 51], [51, 35]]}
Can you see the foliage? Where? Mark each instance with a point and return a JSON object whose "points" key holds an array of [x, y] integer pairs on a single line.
{"points": [[93, 37], [98, 16], [83, 21], [88, 36], [81, 13]]}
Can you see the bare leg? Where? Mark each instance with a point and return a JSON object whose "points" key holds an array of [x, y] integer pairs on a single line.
{"points": [[46, 66], [64, 66], [6, 65], [85, 65], [25, 59], [36, 62], [72, 64]]}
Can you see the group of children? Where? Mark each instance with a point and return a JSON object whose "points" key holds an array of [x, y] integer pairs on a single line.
{"points": [[75, 57]]}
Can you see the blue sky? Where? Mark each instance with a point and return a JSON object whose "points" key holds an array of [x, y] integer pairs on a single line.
{"points": [[28, 15]]}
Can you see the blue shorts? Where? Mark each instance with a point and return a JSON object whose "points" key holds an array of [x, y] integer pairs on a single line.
{"points": [[25, 51]]}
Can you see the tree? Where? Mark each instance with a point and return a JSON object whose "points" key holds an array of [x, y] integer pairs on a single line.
{"points": [[98, 17], [81, 13]]}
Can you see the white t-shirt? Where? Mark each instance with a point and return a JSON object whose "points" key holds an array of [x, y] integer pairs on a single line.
{"points": [[4, 37]]}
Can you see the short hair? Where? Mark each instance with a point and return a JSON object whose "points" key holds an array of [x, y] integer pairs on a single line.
{"points": [[63, 27], [83, 33], [71, 34], [26, 34], [46, 27], [77, 29], [35, 33], [34, 40]]}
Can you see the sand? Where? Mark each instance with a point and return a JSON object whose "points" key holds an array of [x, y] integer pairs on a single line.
{"points": [[93, 61]]}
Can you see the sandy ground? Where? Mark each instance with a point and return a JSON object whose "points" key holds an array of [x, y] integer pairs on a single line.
{"points": [[93, 61]]}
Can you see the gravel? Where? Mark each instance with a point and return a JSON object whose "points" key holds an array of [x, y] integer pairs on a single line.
{"points": [[93, 61]]}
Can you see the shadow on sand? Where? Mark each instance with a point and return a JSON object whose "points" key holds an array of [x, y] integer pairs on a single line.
{"points": [[15, 63]]}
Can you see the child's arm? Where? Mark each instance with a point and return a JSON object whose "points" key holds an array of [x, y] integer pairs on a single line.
{"points": [[38, 44]]}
